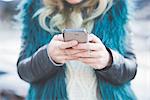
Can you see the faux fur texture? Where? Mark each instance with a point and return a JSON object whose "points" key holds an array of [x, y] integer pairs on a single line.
{"points": [[109, 28]]}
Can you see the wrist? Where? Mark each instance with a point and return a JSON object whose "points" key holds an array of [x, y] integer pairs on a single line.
{"points": [[110, 59], [51, 59]]}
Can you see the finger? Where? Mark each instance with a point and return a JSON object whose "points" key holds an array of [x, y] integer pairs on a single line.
{"points": [[94, 38], [65, 58], [69, 44], [73, 51], [62, 52], [89, 54], [59, 37], [68, 58], [88, 46], [88, 60]]}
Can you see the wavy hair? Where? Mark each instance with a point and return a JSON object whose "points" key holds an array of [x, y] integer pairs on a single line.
{"points": [[64, 16]]}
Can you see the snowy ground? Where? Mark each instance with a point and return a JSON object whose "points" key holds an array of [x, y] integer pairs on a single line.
{"points": [[10, 46]]}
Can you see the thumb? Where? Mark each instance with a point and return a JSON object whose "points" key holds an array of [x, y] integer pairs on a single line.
{"points": [[69, 44]]}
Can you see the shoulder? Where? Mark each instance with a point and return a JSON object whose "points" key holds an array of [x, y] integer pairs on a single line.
{"points": [[30, 5], [124, 5], [111, 27], [121, 11], [32, 33]]}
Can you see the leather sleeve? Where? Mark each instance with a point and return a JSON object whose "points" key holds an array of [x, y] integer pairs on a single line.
{"points": [[123, 68], [37, 67], [33, 63]]}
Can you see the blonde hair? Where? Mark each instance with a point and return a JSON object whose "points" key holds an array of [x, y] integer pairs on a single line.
{"points": [[64, 17]]}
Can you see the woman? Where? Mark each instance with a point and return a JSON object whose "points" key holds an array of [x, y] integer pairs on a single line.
{"points": [[99, 69]]}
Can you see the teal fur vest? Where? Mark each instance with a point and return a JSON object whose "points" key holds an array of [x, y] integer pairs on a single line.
{"points": [[110, 29]]}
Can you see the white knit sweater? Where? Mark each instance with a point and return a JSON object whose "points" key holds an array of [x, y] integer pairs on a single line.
{"points": [[81, 81]]}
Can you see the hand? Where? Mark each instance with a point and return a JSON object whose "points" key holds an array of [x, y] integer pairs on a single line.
{"points": [[61, 51], [95, 55]]}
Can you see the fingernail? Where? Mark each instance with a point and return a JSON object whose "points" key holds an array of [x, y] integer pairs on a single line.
{"points": [[74, 47], [90, 38], [75, 42]]}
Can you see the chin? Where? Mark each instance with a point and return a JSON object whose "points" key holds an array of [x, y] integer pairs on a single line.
{"points": [[73, 1]]}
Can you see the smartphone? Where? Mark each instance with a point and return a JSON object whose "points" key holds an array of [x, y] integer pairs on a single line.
{"points": [[81, 35]]}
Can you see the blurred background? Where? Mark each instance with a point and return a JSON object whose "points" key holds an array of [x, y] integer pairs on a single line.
{"points": [[13, 88]]}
